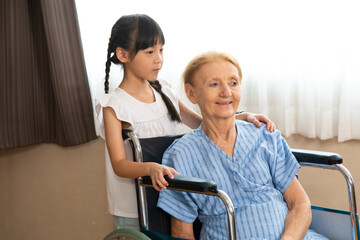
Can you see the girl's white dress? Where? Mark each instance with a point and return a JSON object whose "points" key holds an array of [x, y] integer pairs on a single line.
{"points": [[147, 120]]}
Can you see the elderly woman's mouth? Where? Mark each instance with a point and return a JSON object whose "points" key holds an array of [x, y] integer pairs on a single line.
{"points": [[224, 103]]}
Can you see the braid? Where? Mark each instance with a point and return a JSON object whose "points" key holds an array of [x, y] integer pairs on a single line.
{"points": [[174, 115], [107, 69]]}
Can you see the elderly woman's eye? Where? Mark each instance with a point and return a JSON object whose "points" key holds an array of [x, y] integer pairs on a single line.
{"points": [[213, 84], [234, 83]]}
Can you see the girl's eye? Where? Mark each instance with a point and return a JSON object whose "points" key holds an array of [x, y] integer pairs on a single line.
{"points": [[150, 52]]}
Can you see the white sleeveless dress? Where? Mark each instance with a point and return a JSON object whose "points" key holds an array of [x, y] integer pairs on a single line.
{"points": [[146, 120]]}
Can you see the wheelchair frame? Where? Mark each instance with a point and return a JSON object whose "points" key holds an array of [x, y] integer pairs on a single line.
{"points": [[332, 161], [181, 183], [319, 159]]}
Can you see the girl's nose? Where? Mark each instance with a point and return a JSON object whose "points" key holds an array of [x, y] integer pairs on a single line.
{"points": [[158, 57]]}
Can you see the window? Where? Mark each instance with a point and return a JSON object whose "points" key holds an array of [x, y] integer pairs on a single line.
{"points": [[300, 59]]}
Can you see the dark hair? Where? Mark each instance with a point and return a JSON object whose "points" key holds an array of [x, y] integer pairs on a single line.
{"points": [[174, 115], [134, 33]]}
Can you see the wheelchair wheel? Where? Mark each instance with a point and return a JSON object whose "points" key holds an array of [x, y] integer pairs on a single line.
{"points": [[126, 234]]}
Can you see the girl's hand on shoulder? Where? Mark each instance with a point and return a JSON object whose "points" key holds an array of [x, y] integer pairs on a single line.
{"points": [[257, 118], [157, 172]]}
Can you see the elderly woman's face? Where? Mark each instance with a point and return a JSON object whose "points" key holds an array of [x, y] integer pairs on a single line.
{"points": [[216, 89]]}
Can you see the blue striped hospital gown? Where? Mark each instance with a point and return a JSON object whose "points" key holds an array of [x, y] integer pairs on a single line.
{"points": [[261, 169]]}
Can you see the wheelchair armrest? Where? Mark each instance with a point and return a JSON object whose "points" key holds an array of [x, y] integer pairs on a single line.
{"points": [[185, 183], [318, 157]]}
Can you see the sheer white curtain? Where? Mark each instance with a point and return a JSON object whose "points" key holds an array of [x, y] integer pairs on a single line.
{"points": [[300, 59]]}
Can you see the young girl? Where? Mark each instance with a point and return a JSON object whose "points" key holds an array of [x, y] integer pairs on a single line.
{"points": [[146, 105]]}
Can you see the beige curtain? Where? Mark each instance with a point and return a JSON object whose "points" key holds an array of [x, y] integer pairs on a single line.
{"points": [[44, 91]]}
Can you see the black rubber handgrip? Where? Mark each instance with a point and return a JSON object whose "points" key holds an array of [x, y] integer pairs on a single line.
{"points": [[319, 157], [185, 183]]}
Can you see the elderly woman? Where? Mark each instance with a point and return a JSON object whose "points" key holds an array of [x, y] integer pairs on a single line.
{"points": [[254, 166]]}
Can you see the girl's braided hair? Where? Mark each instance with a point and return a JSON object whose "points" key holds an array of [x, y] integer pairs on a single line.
{"points": [[133, 33]]}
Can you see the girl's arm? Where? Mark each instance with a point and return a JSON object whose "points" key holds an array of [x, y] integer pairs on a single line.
{"points": [[298, 218], [191, 119], [124, 167], [188, 116], [256, 119]]}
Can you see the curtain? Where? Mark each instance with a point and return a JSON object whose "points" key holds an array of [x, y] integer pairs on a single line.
{"points": [[44, 91], [300, 59]]}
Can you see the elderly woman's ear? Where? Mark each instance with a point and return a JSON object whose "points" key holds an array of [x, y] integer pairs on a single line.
{"points": [[190, 92]]}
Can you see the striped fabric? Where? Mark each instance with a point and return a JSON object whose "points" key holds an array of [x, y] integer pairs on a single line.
{"points": [[261, 169]]}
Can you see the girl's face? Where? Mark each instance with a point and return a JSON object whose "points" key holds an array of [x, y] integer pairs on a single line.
{"points": [[147, 63], [216, 90]]}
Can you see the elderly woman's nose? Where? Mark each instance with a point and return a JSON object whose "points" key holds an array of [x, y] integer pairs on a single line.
{"points": [[226, 90]]}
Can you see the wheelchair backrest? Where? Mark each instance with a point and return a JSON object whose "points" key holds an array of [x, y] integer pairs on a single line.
{"points": [[152, 151]]}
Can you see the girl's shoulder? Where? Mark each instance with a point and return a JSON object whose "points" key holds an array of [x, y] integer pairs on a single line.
{"points": [[121, 102], [117, 92], [116, 97]]}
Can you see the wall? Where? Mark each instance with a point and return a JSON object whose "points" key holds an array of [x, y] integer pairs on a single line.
{"points": [[51, 192]]}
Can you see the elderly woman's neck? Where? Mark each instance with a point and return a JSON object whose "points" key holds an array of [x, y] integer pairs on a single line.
{"points": [[219, 128], [222, 133]]}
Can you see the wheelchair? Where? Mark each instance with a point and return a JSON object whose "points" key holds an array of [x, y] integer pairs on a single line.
{"points": [[155, 223]]}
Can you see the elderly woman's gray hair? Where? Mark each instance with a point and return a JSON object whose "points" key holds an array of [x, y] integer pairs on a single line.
{"points": [[204, 58]]}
